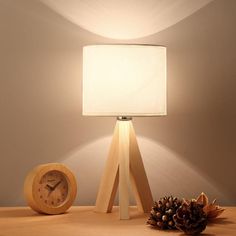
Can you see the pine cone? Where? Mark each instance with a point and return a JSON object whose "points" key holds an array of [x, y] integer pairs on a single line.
{"points": [[190, 217], [162, 213]]}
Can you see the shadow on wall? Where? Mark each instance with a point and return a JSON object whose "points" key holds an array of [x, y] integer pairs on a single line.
{"points": [[190, 150], [40, 92]]}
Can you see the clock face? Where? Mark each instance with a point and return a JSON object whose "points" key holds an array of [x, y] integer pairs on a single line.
{"points": [[50, 188], [53, 189]]}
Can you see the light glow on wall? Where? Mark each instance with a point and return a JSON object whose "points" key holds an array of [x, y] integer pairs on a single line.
{"points": [[157, 158], [125, 19]]}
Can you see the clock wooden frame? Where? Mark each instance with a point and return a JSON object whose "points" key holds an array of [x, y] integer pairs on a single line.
{"points": [[31, 189]]}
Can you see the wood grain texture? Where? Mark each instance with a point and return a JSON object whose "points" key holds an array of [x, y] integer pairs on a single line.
{"points": [[83, 221], [124, 166], [124, 170], [109, 182], [141, 188], [33, 196]]}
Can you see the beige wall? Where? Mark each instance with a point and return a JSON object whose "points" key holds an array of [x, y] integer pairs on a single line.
{"points": [[193, 149]]}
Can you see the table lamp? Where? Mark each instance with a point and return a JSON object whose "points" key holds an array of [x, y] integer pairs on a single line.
{"points": [[124, 81]]}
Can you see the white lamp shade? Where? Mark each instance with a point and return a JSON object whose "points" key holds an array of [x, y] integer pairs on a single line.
{"points": [[124, 80]]}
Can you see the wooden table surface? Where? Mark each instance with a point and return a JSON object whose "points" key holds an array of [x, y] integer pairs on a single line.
{"points": [[82, 221]]}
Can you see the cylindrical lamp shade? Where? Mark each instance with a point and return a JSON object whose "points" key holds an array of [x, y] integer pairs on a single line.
{"points": [[124, 80]]}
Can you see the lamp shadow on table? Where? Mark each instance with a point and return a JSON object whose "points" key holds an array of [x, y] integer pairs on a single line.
{"points": [[17, 213], [182, 234], [203, 234], [20, 213], [221, 221]]}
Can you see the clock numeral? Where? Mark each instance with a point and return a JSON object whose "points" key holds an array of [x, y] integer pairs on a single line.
{"points": [[51, 180]]}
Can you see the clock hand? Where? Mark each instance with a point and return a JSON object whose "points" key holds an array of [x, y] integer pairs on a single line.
{"points": [[49, 187], [53, 188]]}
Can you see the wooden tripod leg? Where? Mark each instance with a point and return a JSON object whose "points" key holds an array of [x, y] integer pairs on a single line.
{"points": [[136, 193], [139, 181], [110, 178], [124, 169], [124, 163]]}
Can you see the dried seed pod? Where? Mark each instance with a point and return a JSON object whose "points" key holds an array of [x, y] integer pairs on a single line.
{"points": [[212, 210]]}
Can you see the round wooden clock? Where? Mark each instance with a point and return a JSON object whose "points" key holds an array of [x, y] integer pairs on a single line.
{"points": [[50, 188]]}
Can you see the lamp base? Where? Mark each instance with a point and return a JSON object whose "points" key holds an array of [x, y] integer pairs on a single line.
{"points": [[124, 166]]}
